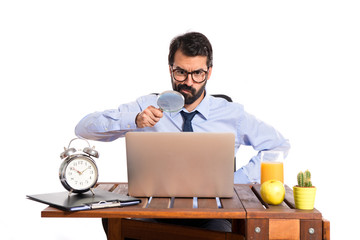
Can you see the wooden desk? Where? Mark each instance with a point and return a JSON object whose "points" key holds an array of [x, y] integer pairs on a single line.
{"points": [[252, 218]]}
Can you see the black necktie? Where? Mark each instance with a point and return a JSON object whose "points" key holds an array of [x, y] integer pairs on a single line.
{"points": [[187, 120]]}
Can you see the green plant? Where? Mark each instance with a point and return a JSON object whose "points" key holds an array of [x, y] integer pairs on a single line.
{"points": [[304, 179]]}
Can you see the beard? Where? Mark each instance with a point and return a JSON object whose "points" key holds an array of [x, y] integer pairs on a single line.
{"points": [[193, 95]]}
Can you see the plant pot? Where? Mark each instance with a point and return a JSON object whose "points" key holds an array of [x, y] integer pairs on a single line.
{"points": [[304, 197]]}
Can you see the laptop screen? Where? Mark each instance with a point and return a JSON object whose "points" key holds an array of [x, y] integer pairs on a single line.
{"points": [[180, 164]]}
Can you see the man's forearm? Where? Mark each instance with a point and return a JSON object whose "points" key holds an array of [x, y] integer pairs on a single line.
{"points": [[105, 126]]}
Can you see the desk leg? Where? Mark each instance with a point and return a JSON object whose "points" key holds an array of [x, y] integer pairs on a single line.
{"points": [[114, 229], [311, 229], [326, 229], [257, 229]]}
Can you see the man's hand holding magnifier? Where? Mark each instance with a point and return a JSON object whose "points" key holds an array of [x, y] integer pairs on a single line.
{"points": [[149, 117], [169, 101]]}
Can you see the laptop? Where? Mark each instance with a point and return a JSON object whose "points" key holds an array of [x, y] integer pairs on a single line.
{"points": [[180, 164]]}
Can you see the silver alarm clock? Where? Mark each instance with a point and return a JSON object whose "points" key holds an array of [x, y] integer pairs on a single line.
{"points": [[78, 172]]}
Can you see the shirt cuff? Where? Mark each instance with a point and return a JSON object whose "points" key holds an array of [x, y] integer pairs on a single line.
{"points": [[128, 121], [120, 121]]}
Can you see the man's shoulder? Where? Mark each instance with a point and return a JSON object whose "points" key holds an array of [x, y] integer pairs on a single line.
{"points": [[149, 98], [220, 108], [223, 101], [142, 102]]}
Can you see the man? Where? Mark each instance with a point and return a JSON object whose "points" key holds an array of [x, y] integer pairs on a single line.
{"points": [[190, 66]]}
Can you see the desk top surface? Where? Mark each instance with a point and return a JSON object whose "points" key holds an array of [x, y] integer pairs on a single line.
{"points": [[245, 203]]}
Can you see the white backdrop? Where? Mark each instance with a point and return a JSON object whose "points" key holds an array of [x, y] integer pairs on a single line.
{"points": [[294, 65]]}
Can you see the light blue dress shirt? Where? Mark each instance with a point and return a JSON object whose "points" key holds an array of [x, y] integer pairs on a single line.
{"points": [[215, 115]]}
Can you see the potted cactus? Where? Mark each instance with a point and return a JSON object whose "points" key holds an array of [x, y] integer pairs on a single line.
{"points": [[304, 192]]}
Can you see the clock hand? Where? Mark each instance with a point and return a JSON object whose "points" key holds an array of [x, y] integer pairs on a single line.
{"points": [[77, 171], [85, 169]]}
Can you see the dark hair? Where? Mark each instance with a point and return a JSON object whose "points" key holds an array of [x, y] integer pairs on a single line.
{"points": [[191, 44]]}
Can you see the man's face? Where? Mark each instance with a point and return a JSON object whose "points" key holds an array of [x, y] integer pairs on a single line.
{"points": [[191, 90]]}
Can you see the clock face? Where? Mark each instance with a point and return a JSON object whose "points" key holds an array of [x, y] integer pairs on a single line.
{"points": [[81, 173]]}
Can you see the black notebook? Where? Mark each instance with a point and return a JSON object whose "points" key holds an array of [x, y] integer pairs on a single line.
{"points": [[84, 201]]}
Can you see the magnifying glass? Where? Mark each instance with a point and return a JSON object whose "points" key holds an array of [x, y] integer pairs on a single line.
{"points": [[170, 101]]}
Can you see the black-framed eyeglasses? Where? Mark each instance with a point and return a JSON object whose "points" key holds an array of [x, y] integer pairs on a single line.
{"points": [[197, 76]]}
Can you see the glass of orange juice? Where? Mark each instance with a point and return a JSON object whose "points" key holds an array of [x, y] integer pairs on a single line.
{"points": [[272, 166]]}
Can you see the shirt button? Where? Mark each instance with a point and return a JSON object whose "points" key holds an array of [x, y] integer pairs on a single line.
{"points": [[128, 126]]}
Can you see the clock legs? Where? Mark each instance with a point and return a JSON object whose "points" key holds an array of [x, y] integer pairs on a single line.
{"points": [[70, 192]]}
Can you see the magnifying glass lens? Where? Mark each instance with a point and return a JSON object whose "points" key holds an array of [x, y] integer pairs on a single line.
{"points": [[170, 101]]}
